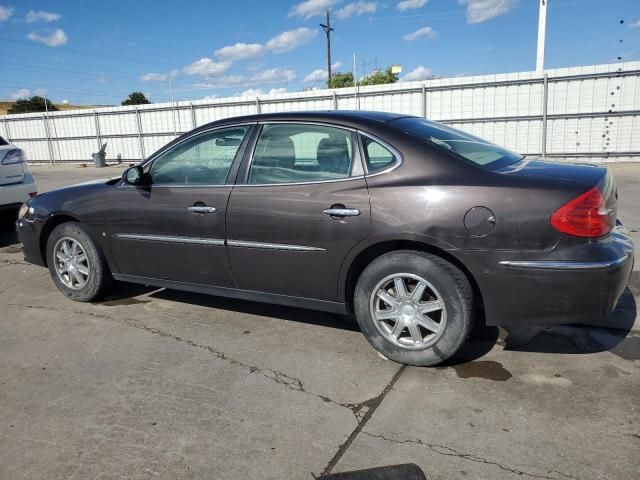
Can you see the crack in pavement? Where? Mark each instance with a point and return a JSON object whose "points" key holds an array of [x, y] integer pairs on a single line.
{"points": [[276, 376], [372, 405], [451, 452]]}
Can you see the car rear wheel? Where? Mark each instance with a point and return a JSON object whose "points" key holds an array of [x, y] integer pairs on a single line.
{"points": [[414, 308], [76, 263]]}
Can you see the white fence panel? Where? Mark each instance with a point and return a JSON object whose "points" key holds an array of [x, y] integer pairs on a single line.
{"points": [[581, 112]]}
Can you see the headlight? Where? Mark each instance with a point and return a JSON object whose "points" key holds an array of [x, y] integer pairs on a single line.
{"points": [[25, 210]]}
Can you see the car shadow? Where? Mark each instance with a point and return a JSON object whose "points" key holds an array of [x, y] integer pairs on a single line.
{"points": [[8, 234], [596, 336], [293, 314], [611, 335]]}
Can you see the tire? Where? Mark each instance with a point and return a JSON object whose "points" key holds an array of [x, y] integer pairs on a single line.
{"points": [[410, 342], [99, 279]]}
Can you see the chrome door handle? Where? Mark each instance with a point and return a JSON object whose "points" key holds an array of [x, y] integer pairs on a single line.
{"points": [[201, 209], [342, 212]]}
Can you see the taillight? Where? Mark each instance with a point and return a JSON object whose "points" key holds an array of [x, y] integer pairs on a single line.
{"points": [[13, 156], [584, 216]]}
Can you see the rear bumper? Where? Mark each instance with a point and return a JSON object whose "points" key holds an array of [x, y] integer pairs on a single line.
{"points": [[18, 192], [555, 291]]}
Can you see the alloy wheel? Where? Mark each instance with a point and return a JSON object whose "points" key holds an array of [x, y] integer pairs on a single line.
{"points": [[408, 311], [71, 263]]}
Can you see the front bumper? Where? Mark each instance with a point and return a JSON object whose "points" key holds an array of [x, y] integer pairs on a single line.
{"points": [[29, 235], [558, 290]]}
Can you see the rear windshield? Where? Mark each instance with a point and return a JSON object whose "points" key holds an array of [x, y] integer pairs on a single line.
{"points": [[3, 141], [471, 148]]}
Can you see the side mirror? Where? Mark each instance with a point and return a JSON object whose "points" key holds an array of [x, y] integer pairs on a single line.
{"points": [[133, 175]]}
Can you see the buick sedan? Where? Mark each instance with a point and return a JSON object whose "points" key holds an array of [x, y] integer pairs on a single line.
{"points": [[414, 227]]}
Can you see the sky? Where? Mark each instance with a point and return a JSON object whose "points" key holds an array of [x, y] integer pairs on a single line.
{"points": [[96, 53]]}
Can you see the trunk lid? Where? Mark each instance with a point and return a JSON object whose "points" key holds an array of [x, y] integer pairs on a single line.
{"points": [[575, 178]]}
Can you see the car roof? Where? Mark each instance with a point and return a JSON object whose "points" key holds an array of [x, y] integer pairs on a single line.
{"points": [[352, 118]]}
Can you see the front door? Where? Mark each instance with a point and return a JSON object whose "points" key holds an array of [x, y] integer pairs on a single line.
{"points": [[174, 229], [302, 206]]}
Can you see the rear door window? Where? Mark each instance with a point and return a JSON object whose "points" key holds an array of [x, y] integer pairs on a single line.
{"points": [[294, 153], [377, 156]]}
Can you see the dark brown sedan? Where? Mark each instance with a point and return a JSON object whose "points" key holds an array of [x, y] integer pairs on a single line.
{"points": [[412, 226]]}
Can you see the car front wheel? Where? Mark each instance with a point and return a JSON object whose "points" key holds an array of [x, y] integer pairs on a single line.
{"points": [[76, 263], [414, 308]]}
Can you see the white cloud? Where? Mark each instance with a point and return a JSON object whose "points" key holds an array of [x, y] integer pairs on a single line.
{"points": [[41, 16], [205, 67], [224, 81], [159, 77], [410, 4], [19, 94], [420, 73], [56, 39], [635, 24], [320, 74], [291, 39], [239, 51], [273, 75], [479, 11], [426, 33], [5, 13], [357, 8], [259, 78], [311, 8], [256, 92]]}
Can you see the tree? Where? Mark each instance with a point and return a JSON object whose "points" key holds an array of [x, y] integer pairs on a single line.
{"points": [[33, 104], [340, 80], [136, 98], [380, 77]]}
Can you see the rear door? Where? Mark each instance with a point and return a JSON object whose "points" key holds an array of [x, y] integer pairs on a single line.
{"points": [[174, 229], [301, 203]]}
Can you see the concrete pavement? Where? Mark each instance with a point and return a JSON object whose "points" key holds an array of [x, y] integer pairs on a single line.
{"points": [[152, 383]]}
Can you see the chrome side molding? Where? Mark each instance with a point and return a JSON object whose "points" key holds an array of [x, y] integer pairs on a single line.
{"points": [[564, 265], [273, 246], [170, 239]]}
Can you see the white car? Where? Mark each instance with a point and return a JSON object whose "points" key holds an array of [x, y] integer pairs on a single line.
{"points": [[17, 184]]}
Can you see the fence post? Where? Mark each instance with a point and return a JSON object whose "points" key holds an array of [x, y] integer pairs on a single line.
{"points": [[258, 106], [48, 135], [545, 104], [98, 139], [140, 139], [193, 116], [6, 128], [335, 100], [424, 101]]}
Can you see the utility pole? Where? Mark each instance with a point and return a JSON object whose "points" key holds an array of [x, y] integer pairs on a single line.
{"points": [[542, 32], [327, 30]]}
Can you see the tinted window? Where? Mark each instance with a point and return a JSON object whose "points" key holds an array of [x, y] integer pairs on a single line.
{"points": [[470, 147], [3, 141], [377, 156], [201, 160], [301, 153]]}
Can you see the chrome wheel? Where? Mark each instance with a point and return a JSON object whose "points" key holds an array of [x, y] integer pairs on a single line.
{"points": [[71, 263], [408, 311]]}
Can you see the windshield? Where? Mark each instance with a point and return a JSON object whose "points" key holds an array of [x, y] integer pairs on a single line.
{"points": [[472, 148]]}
